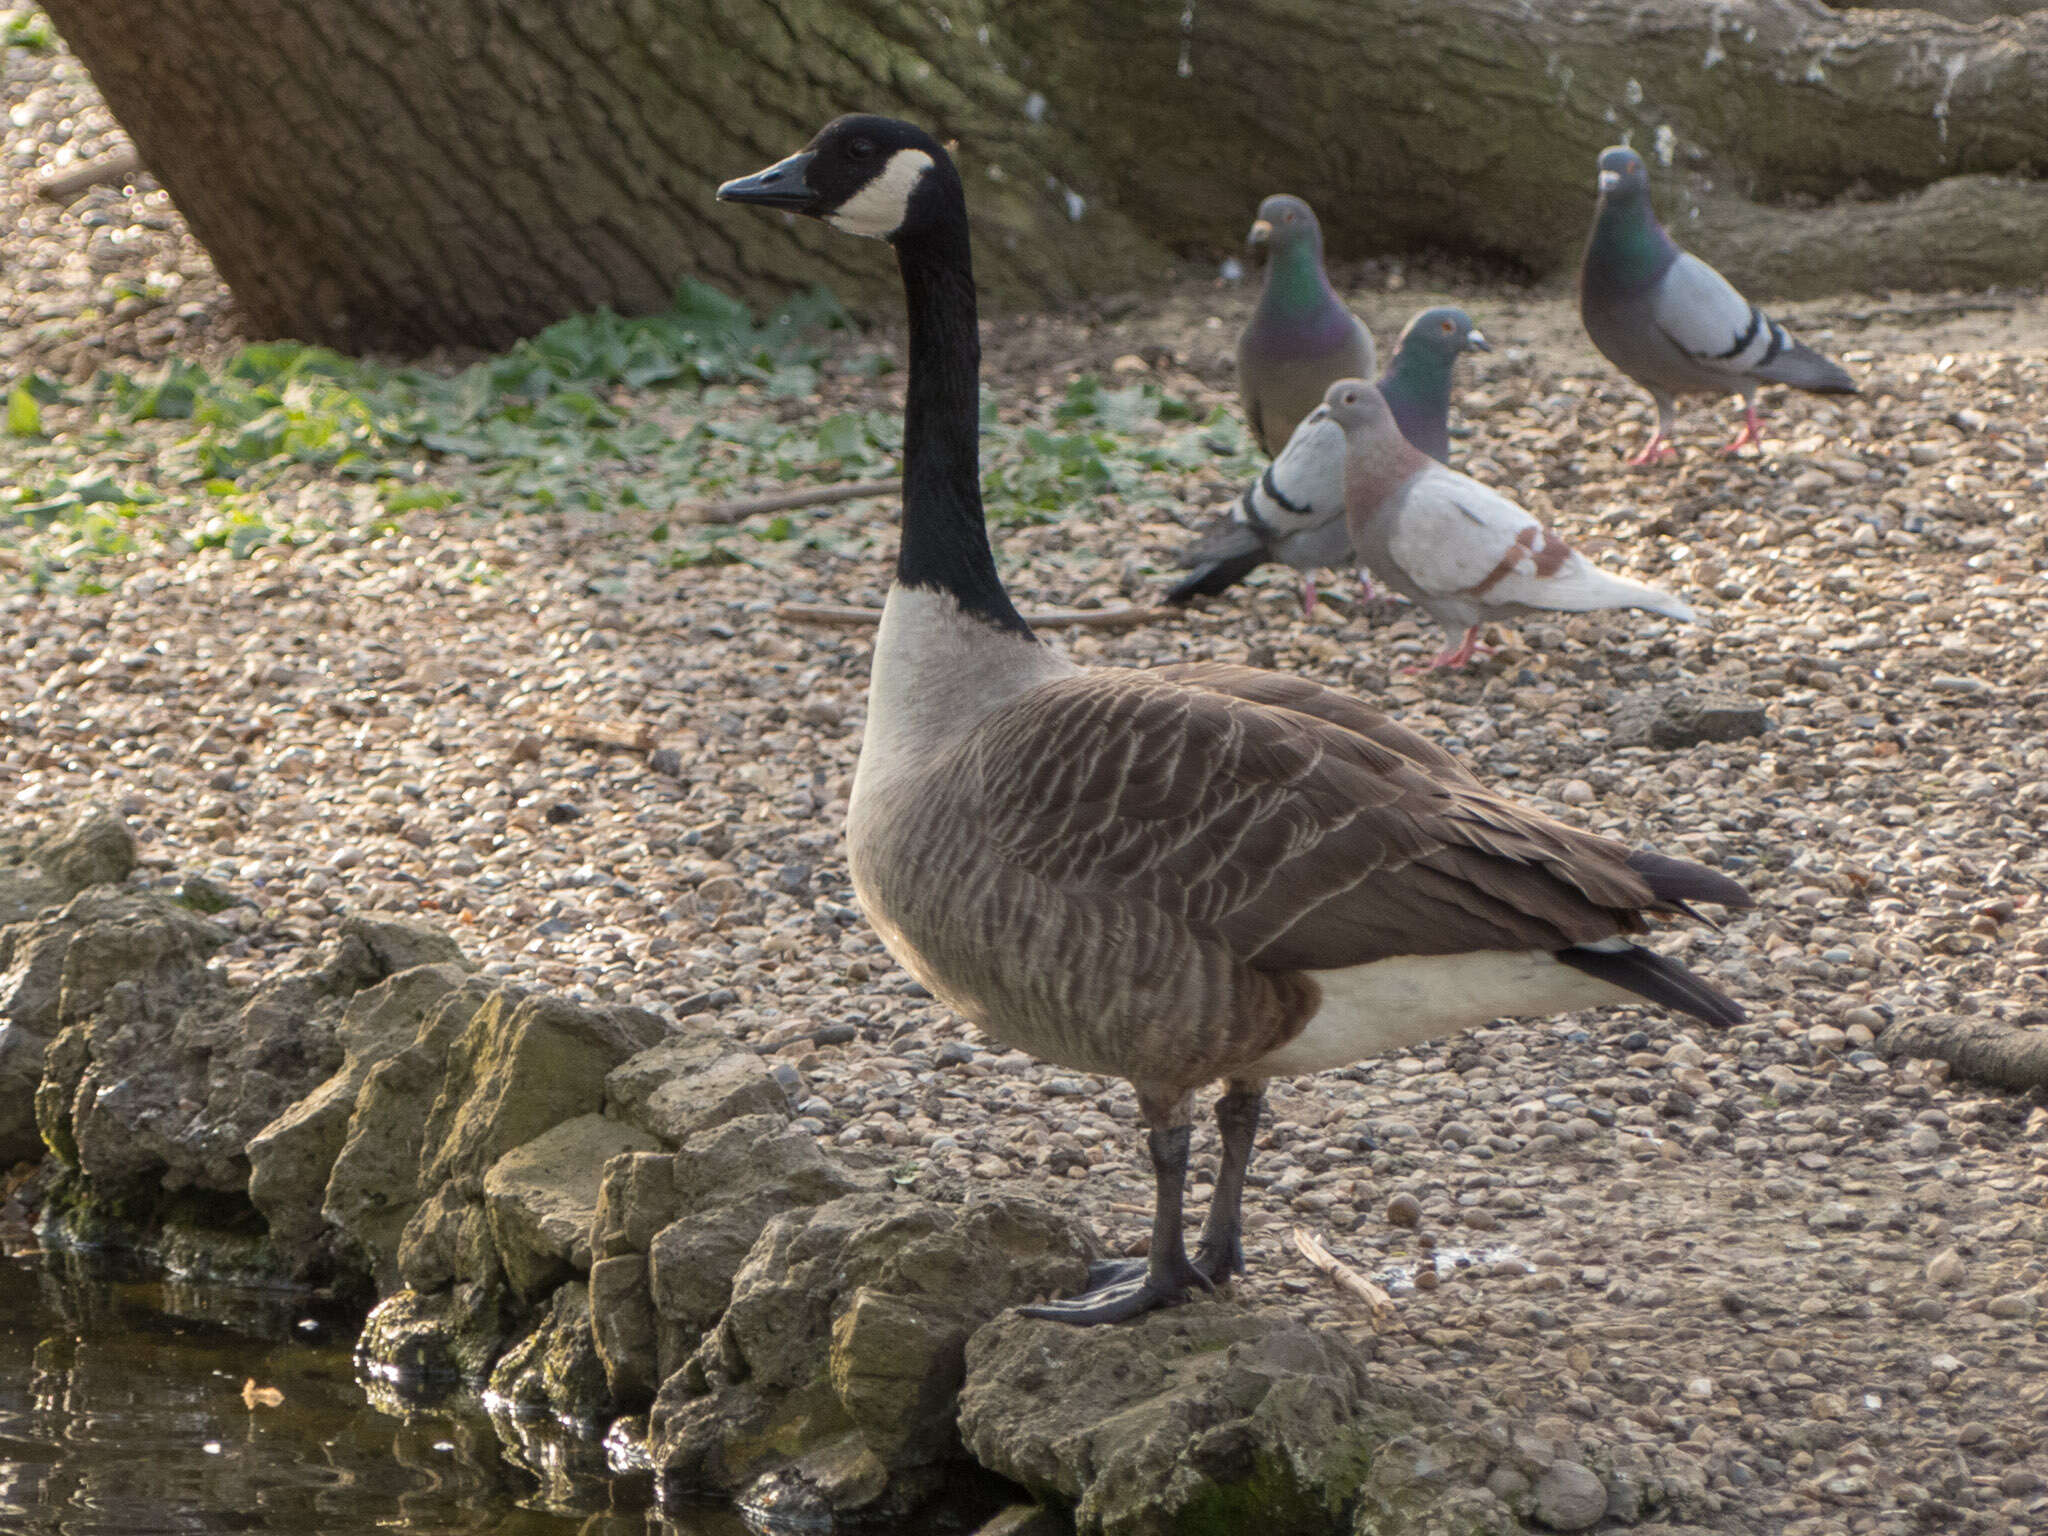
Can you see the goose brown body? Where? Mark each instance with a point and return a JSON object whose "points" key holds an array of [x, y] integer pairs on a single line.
{"points": [[1141, 873]]}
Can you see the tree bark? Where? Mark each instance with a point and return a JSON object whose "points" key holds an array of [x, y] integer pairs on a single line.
{"points": [[404, 173], [1983, 1050]]}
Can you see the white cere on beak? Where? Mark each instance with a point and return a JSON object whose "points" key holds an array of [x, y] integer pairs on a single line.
{"points": [[877, 209], [1609, 180]]}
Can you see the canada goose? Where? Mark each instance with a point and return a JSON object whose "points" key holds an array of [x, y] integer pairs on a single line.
{"points": [[1294, 512], [1184, 874], [1465, 553], [1675, 325], [1301, 338]]}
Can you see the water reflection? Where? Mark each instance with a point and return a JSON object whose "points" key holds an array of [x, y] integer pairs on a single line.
{"points": [[122, 1413]]}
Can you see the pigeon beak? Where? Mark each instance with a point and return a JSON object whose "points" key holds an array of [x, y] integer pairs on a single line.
{"points": [[1262, 231], [1609, 180], [782, 185], [1474, 342]]}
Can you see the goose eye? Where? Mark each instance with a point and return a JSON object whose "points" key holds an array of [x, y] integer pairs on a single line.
{"points": [[860, 149]]}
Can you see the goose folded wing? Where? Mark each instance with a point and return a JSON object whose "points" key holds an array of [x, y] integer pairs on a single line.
{"points": [[1290, 839]]}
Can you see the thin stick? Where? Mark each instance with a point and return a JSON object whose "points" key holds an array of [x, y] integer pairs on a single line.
{"points": [[1346, 1278], [782, 501], [1046, 618], [114, 165], [601, 733], [1912, 311]]}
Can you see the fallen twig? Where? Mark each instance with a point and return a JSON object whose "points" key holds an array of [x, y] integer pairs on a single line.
{"points": [[114, 165], [782, 501], [1926, 311], [1346, 1278], [601, 733], [1045, 618], [1982, 1050]]}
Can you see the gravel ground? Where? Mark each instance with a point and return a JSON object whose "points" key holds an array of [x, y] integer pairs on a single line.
{"points": [[1765, 1265]]}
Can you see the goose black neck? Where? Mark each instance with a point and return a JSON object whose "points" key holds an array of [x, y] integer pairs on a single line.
{"points": [[945, 535]]}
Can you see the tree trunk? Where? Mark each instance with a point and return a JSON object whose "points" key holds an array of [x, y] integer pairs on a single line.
{"points": [[402, 173]]}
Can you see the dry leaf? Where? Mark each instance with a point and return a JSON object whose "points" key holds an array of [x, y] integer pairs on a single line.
{"points": [[254, 1397]]}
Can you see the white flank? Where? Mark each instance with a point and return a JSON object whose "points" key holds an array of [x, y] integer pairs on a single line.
{"points": [[877, 209], [1390, 1005]]}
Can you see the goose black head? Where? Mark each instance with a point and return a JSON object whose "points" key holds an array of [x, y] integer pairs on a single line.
{"points": [[1622, 172], [1283, 223], [863, 174]]}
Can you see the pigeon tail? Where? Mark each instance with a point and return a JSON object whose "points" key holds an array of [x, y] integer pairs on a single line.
{"points": [[1803, 368], [1589, 588], [1215, 577]]}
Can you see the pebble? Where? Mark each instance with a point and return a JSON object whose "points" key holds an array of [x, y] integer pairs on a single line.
{"points": [[1947, 1268], [1404, 1210], [1569, 1497]]}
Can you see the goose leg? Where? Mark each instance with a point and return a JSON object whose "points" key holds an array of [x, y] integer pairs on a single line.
{"points": [[1115, 1294], [1220, 1254]]}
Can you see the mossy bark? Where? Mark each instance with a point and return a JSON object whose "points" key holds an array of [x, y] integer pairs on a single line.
{"points": [[396, 175]]}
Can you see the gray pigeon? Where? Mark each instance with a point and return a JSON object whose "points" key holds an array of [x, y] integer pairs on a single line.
{"points": [[1294, 512], [1417, 383], [1301, 337], [1675, 325], [1464, 553]]}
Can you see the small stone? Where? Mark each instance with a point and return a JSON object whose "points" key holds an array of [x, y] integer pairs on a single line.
{"points": [[1576, 792], [2011, 1305], [1404, 1210], [1946, 1268], [1828, 1405], [1924, 1141], [563, 811], [1569, 1497], [2020, 1482]]}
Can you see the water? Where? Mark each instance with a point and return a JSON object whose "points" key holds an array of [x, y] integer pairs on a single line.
{"points": [[122, 1413]]}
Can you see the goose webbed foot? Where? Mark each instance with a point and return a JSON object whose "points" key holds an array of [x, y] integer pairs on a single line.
{"points": [[1120, 1291]]}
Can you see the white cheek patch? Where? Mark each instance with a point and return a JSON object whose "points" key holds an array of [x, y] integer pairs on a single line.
{"points": [[877, 209]]}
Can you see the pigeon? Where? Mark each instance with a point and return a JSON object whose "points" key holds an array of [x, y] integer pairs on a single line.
{"points": [[1675, 325], [1417, 382], [1301, 337], [1294, 512], [1464, 553]]}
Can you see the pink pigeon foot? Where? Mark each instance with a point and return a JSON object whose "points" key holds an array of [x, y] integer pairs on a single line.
{"points": [[1752, 431], [1308, 595], [1366, 590], [1655, 451], [1456, 655]]}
